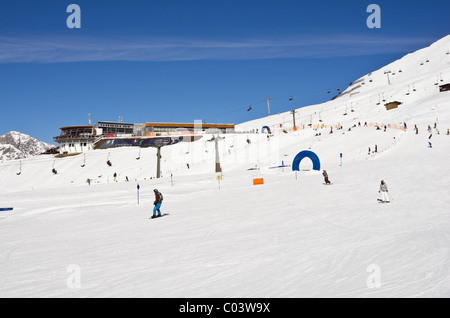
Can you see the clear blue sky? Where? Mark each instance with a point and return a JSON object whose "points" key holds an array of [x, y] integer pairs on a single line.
{"points": [[182, 60]]}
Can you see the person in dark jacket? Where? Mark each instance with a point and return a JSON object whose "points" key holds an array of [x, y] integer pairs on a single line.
{"points": [[325, 175], [157, 203]]}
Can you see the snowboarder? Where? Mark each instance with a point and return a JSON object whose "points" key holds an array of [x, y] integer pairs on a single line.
{"points": [[325, 175], [384, 192], [157, 203]]}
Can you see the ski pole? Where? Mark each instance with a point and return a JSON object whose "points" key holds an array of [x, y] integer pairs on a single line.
{"points": [[390, 196]]}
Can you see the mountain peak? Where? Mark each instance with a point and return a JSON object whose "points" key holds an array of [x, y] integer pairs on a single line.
{"points": [[16, 145]]}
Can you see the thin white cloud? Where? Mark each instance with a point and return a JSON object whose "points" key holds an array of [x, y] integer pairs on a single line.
{"points": [[57, 49]]}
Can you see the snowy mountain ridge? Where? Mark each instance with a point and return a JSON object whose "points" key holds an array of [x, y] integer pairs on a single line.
{"points": [[15, 145]]}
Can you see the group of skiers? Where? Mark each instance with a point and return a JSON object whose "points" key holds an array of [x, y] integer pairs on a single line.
{"points": [[159, 197], [375, 150], [383, 188]]}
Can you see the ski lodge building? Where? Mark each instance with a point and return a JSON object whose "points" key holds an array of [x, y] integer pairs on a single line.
{"points": [[161, 129], [78, 139]]}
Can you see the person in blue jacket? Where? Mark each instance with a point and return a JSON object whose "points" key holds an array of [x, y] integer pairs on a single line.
{"points": [[157, 203]]}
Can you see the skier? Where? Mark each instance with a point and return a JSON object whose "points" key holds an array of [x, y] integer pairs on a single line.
{"points": [[384, 192], [325, 175], [157, 203], [376, 148], [115, 177]]}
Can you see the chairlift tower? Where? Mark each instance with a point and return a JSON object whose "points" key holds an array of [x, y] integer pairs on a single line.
{"points": [[387, 73], [216, 143], [293, 112]]}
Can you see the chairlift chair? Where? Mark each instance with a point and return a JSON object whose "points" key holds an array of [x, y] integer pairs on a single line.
{"points": [[139, 156], [20, 172], [84, 161]]}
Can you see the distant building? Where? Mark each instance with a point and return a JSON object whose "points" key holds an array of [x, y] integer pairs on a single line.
{"points": [[392, 105], [78, 139], [160, 129], [75, 139], [112, 129]]}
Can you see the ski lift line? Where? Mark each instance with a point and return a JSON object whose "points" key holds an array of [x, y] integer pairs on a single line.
{"points": [[276, 98], [47, 160]]}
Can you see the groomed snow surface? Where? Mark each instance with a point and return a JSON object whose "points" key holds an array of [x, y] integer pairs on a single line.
{"points": [[291, 237]]}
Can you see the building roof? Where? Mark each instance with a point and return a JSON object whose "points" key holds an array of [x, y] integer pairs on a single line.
{"points": [[75, 127], [187, 125]]}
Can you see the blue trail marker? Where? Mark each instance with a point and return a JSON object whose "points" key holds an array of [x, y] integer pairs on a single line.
{"points": [[138, 188]]}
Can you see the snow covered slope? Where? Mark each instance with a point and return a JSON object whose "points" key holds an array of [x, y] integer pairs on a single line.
{"points": [[290, 237], [413, 82]]}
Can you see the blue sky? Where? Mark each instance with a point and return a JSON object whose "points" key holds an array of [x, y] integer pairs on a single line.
{"points": [[178, 61]]}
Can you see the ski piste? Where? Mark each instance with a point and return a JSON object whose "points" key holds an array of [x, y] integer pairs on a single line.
{"points": [[227, 238]]}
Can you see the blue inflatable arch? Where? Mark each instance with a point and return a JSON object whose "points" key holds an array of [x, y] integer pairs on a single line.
{"points": [[306, 154], [266, 128]]}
